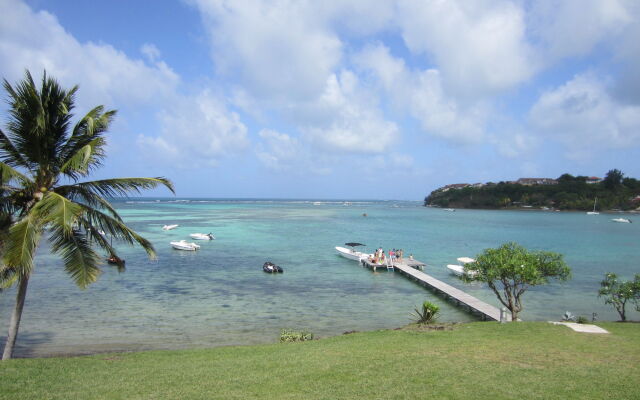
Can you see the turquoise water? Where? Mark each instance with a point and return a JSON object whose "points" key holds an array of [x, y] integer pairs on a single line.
{"points": [[220, 296]]}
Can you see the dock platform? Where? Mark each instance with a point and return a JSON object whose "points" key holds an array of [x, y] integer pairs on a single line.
{"points": [[410, 268]]}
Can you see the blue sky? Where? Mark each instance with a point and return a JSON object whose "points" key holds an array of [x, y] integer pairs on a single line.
{"points": [[343, 99]]}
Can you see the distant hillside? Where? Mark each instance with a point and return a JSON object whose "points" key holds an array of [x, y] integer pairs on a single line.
{"points": [[567, 192]]}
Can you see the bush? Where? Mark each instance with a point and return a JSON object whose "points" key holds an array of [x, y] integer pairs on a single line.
{"points": [[428, 313], [582, 320], [288, 335]]}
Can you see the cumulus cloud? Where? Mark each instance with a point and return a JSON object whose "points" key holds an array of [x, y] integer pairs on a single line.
{"points": [[565, 28], [197, 129], [480, 47], [277, 50], [583, 115], [422, 94], [346, 119], [628, 55], [150, 51], [36, 41], [279, 151]]}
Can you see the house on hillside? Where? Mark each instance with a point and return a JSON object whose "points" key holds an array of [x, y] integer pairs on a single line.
{"points": [[593, 179], [536, 181], [454, 186]]}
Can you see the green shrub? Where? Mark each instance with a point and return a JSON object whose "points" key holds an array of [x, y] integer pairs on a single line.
{"points": [[428, 313], [582, 320], [288, 335]]}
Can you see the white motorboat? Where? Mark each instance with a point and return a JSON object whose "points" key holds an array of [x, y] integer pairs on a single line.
{"points": [[621, 220], [448, 209], [202, 236], [184, 245], [459, 269], [169, 227], [351, 253]]}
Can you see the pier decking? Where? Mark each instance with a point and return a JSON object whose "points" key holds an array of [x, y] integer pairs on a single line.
{"points": [[408, 268]]}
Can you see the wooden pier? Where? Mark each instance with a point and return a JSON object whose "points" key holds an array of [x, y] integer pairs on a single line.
{"points": [[409, 268]]}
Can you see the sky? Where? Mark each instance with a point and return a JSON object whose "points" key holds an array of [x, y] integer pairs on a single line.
{"points": [[342, 99]]}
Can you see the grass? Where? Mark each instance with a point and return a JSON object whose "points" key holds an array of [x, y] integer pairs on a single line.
{"points": [[481, 360]]}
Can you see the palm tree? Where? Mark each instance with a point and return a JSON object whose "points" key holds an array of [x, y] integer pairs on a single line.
{"points": [[42, 159]]}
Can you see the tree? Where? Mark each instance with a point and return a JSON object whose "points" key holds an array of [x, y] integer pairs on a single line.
{"points": [[618, 293], [613, 179], [42, 159], [511, 269]]}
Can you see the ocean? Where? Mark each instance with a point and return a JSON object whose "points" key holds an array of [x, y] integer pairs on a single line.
{"points": [[220, 296]]}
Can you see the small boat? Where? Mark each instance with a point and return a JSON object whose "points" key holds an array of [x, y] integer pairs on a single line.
{"points": [[271, 268], [115, 260], [621, 220], [351, 253], [202, 236], [594, 212], [459, 269], [169, 227], [184, 245], [448, 209]]}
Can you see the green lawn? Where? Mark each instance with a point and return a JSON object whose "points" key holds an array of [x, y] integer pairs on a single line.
{"points": [[481, 360]]}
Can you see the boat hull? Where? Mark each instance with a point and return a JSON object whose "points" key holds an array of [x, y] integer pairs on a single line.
{"points": [[201, 236], [185, 246], [352, 254], [456, 269], [621, 220]]}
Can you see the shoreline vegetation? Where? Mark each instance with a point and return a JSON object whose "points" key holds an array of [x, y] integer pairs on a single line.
{"points": [[523, 359], [566, 193]]}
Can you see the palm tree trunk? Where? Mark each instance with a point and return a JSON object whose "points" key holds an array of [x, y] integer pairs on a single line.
{"points": [[15, 318]]}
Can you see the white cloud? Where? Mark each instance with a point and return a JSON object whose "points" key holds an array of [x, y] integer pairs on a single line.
{"points": [[36, 41], [480, 47], [150, 51], [279, 151], [197, 129], [277, 50], [515, 144], [421, 93], [346, 118], [565, 28], [582, 114]]}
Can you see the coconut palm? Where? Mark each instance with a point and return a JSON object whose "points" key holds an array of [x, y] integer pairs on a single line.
{"points": [[43, 157]]}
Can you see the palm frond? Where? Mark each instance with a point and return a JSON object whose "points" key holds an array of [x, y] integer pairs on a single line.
{"points": [[85, 148], [77, 193], [9, 174], [38, 119], [121, 187], [115, 228], [21, 243], [58, 211], [80, 261], [8, 152], [86, 158], [8, 277]]}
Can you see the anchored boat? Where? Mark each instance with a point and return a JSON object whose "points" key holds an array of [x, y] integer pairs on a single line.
{"points": [[202, 236], [459, 269], [621, 220], [271, 268], [351, 253], [184, 245]]}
